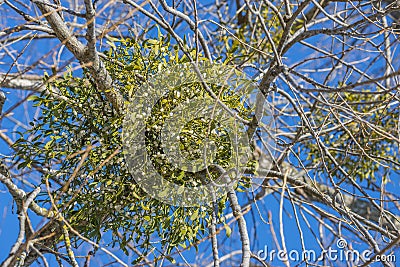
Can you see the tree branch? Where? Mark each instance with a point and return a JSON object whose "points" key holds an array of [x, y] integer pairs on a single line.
{"points": [[85, 55], [23, 82], [244, 235]]}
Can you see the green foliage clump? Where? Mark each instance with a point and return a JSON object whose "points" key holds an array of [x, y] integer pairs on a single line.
{"points": [[362, 146], [78, 138], [247, 42]]}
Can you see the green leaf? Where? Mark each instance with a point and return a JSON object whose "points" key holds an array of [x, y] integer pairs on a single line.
{"points": [[228, 230], [144, 206], [33, 98], [181, 189], [195, 215], [172, 260]]}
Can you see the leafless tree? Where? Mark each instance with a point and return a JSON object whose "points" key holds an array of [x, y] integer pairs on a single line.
{"points": [[329, 70]]}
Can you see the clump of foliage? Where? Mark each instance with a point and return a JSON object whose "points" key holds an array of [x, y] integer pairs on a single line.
{"points": [[78, 137], [246, 43], [362, 146]]}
